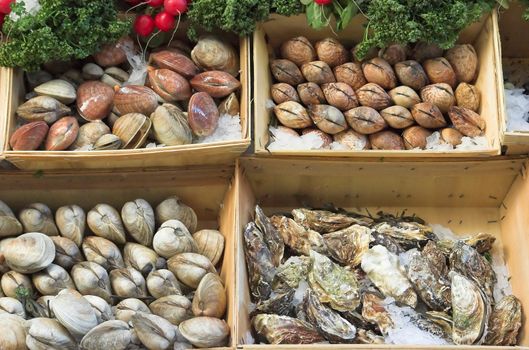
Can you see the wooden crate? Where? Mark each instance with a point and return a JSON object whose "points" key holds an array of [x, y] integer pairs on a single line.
{"points": [[195, 154], [512, 46], [208, 190], [271, 34], [468, 197]]}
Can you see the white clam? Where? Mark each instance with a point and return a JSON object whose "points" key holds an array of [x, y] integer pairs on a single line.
{"points": [[127, 308], [67, 253], [155, 332], [102, 251], [29, 253], [128, 283], [174, 209], [101, 307], [71, 221], [37, 217], [111, 335], [9, 224], [12, 306], [138, 218], [74, 312], [52, 280], [161, 283], [173, 238], [142, 258], [210, 243], [174, 308], [91, 278], [105, 222], [205, 332], [13, 332], [12, 280], [46, 334], [59, 89]]}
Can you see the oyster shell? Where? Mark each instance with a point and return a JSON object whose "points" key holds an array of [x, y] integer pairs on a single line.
{"points": [[368, 337], [101, 307], [261, 269], [384, 240], [285, 330], [470, 311], [37, 217], [46, 333], [67, 252], [74, 312], [436, 259], [271, 236], [9, 224], [142, 258], [173, 208], [92, 279], [333, 284], [324, 221], [384, 270], [374, 311], [441, 319], [153, 331], [105, 222], [297, 237], [128, 283], [505, 322], [408, 234], [173, 308], [173, 238], [71, 221], [162, 283], [210, 243], [13, 332], [190, 268], [210, 297], [12, 280], [108, 335], [12, 306], [482, 242], [291, 272], [102, 251], [29, 253], [348, 245], [138, 218], [279, 304], [52, 280], [127, 308]]}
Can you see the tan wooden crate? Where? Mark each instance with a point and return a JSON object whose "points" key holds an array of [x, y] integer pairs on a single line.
{"points": [[269, 36], [208, 190], [468, 197], [195, 154]]}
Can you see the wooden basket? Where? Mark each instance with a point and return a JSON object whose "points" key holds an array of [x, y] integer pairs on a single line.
{"points": [[195, 154], [468, 197], [271, 34], [512, 46], [208, 190]]}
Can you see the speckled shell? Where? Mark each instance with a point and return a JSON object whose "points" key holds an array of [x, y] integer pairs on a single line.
{"points": [[135, 99], [29, 136], [62, 134], [169, 85]]}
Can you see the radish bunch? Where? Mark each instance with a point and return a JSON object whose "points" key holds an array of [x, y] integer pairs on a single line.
{"points": [[5, 9], [164, 20]]}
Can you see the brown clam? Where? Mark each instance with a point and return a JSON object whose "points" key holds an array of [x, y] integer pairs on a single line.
{"points": [[468, 122], [350, 73], [439, 70], [212, 53], [311, 94], [397, 117], [464, 61], [170, 126], [203, 114], [340, 95], [318, 72], [380, 72], [404, 96], [42, 108], [29, 136], [411, 73], [89, 133], [285, 71], [94, 100], [415, 137], [423, 51], [298, 50], [114, 54], [132, 129], [468, 96], [393, 54], [372, 95], [440, 95], [62, 134], [332, 52], [428, 115], [352, 140], [451, 136], [293, 115], [176, 62], [135, 99], [210, 243], [386, 140], [283, 92], [365, 120], [216, 83], [327, 118], [169, 85]]}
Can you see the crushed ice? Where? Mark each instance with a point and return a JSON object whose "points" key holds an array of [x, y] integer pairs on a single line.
{"points": [[229, 129], [299, 294], [286, 141], [517, 105], [435, 143], [405, 257]]}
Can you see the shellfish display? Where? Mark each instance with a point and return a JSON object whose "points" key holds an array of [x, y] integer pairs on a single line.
{"points": [[109, 293], [344, 277], [183, 98]]}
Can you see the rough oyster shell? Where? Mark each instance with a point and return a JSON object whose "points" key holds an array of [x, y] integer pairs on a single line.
{"points": [[271, 236], [348, 245], [127, 308], [173, 208], [482, 242], [285, 330], [105, 222], [297, 237], [162, 283], [52, 280], [505, 322], [108, 335], [279, 304], [408, 234], [374, 311], [37, 217], [102, 251], [74, 312], [384, 270], [9, 224], [153, 331], [71, 221], [67, 252], [190, 268], [210, 243], [138, 218], [46, 333], [291, 272], [128, 283], [210, 297], [173, 308], [29, 253], [92, 279], [333, 284], [436, 259]]}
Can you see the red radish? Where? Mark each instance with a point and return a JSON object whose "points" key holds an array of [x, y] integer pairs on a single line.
{"points": [[175, 7], [155, 3], [323, 2], [164, 21], [5, 6], [144, 25], [2, 16]]}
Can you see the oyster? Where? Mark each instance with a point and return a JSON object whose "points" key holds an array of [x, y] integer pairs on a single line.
{"points": [[173, 308], [71, 221], [210, 297], [279, 304], [103, 252], [9, 224], [153, 331], [368, 337], [127, 308], [101, 307], [291, 272], [271, 236], [105, 222], [324, 221], [433, 288], [470, 311], [67, 252], [52, 280], [505, 322], [174, 209], [374, 311], [173, 238], [74, 312], [161, 283], [46, 333], [436, 259], [333, 284], [328, 322], [389, 242], [441, 319], [482, 242], [285, 330], [210, 243], [384, 270], [297, 237], [408, 234], [108, 335], [37, 217], [128, 283], [348, 245], [29, 253], [92, 279], [468, 262], [12, 306], [138, 218], [142, 258], [261, 269]]}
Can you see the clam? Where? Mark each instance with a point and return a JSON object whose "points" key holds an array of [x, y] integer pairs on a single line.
{"points": [[285, 71], [9, 224], [173, 208], [42, 108], [142, 258], [331, 51], [43, 306], [293, 115], [411, 73], [73, 76], [108, 335], [132, 130], [62, 134], [379, 71], [161, 283], [61, 90], [173, 308], [212, 53], [101, 307], [92, 71], [128, 283], [127, 308], [107, 142], [440, 95], [37, 77], [29, 253], [348, 245], [464, 61], [170, 85], [285, 330], [202, 114], [350, 73], [115, 76], [114, 54], [173, 238], [170, 126], [12, 306], [439, 70], [92, 279], [135, 99], [205, 332], [13, 332], [176, 62], [298, 50], [404, 96], [190, 268], [37, 217], [94, 100], [67, 252], [52, 280], [105, 222], [102, 251], [46, 333], [71, 221], [210, 243], [12, 280], [89, 133], [210, 297], [317, 72], [74, 312], [29, 137], [231, 106], [153, 331]]}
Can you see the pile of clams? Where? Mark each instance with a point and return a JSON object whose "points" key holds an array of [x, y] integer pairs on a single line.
{"points": [[103, 104], [393, 100], [139, 278], [328, 276]]}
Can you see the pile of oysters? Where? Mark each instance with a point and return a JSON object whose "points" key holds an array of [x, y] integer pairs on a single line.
{"points": [[318, 275], [393, 100], [105, 104], [109, 280]]}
